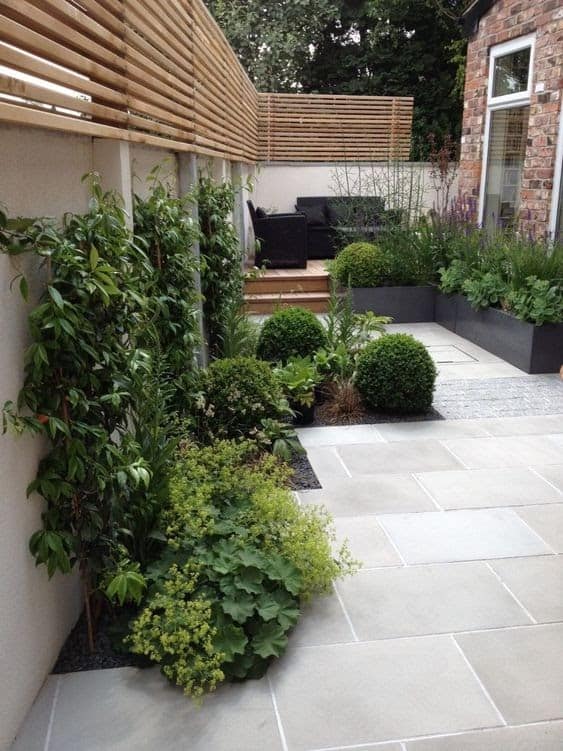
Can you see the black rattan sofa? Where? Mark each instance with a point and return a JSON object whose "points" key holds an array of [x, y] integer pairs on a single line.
{"points": [[281, 239], [330, 219]]}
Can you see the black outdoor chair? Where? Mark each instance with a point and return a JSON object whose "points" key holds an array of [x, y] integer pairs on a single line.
{"points": [[282, 239]]}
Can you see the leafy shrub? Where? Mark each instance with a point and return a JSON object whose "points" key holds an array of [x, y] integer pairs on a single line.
{"points": [[396, 374], [222, 278], [360, 264], [453, 277], [290, 332], [484, 290], [254, 554], [237, 394], [539, 301], [298, 378]]}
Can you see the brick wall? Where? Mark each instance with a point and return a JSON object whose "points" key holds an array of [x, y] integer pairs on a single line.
{"points": [[506, 20]]}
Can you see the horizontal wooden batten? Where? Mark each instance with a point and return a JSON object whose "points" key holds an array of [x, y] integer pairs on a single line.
{"points": [[161, 72]]}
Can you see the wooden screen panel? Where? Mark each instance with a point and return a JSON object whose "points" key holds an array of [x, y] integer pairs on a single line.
{"points": [[162, 72], [318, 127]]}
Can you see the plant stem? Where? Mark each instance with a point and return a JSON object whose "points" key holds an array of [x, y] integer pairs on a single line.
{"points": [[89, 622]]}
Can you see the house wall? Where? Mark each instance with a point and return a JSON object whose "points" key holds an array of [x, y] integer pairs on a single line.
{"points": [[507, 20], [277, 185], [40, 175]]}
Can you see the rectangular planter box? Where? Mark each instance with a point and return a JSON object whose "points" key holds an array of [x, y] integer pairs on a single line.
{"points": [[445, 310], [534, 349], [403, 304]]}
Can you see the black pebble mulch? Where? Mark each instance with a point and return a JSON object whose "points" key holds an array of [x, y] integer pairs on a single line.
{"points": [[75, 656], [373, 418], [304, 477]]}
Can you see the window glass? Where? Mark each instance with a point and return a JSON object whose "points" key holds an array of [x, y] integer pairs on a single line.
{"points": [[559, 218], [511, 73], [507, 150]]}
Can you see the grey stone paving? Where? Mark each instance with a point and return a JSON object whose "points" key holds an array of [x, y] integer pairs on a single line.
{"points": [[499, 397], [449, 639]]}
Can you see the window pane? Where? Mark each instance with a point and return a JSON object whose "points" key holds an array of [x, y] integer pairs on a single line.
{"points": [[511, 72], [507, 150], [559, 219]]}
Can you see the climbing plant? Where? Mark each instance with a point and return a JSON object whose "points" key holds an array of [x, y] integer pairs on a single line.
{"points": [[221, 256], [79, 390]]}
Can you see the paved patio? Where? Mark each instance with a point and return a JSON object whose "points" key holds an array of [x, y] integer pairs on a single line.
{"points": [[449, 639]]}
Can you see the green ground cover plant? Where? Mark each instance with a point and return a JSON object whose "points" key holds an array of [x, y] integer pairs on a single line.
{"points": [[241, 558]]}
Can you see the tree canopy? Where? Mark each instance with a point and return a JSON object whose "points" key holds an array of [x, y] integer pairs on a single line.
{"points": [[377, 47]]}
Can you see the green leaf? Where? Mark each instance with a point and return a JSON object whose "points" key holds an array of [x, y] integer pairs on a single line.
{"points": [[56, 297], [250, 580], [240, 607], [94, 257], [231, 641], [280, 569], [270, 641], [279, 605], [24, 288]]}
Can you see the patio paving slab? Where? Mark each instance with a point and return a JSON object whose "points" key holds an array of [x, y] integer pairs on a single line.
{"points": [[327, 464], [484, 488], [537, 583], [338, 435], [370, 495], [364, 693], [477, 534], [544, 737], [33, 734], [403, 456], [438, 429], [322, 622], [553, 473], [367, 541], [521, 668], [131, 710], [419, 600], [513, 451], [547, 522], [523, 425]]}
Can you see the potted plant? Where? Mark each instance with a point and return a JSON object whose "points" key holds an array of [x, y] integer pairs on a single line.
{"points": [[298, 379]]}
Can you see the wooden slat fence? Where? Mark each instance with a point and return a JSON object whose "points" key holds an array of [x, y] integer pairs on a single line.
{"points": [[319, 127], [161, 72]]}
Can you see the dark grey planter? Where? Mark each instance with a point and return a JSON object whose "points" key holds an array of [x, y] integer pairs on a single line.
{"points": [[403, 304], [534, 349], [445, 310]]}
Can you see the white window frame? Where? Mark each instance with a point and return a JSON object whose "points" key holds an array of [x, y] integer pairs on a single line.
{"points": [[557, 179], [508, 101]]}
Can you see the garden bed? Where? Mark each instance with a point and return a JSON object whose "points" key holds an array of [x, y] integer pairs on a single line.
{"points": [[404, 304], [533, 349]]}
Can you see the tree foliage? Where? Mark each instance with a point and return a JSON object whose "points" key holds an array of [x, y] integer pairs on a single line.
{"points": [[274, 40], [372, 47]]}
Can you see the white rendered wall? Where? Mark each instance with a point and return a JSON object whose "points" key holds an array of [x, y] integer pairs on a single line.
{"points": [[40, 174], [277, 185]]}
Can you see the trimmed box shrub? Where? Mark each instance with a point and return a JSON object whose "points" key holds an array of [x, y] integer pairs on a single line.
{"points": [[291, 332], [396, 374], [360, 264]]}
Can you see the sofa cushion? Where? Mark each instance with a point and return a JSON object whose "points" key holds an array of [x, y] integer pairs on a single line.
{"points": [[316, 214]]}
